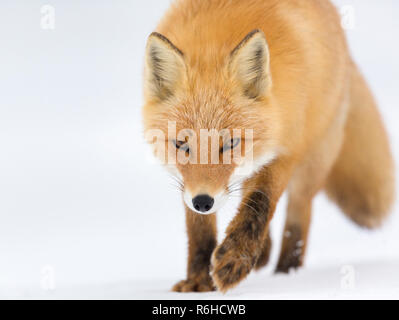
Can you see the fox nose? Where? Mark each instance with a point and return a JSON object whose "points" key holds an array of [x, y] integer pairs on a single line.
{"points": [[203, 203]]}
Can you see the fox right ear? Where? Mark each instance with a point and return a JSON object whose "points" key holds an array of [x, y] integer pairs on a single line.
{"points": [[249, 65], [164, 67]]}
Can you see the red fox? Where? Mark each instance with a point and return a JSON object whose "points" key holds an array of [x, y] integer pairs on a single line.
{"points": [[282, 69]]}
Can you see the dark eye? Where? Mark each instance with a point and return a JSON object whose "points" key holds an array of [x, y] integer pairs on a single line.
{"points": [[230, 145], [181, 145]]}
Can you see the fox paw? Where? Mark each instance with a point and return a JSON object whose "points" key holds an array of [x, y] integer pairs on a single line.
{"points": [[194, 285], [230, 266], [288, 263]]}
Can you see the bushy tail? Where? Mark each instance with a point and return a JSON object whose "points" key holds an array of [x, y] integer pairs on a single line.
{"points": [[362, 180]]}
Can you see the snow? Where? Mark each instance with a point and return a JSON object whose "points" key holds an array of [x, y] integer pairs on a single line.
{"points": [[372, 280], [84, 210]]}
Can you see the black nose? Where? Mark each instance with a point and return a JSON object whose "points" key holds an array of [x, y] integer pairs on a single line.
{"points": [[203, 203]]}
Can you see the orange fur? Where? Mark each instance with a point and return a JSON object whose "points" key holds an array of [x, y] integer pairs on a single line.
{"points": [[281, 68]]}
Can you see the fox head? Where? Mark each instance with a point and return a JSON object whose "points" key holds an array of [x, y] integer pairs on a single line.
{"points": [[210, 115]]}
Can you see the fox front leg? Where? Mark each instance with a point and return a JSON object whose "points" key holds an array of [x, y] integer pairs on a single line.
{"points": [[233, 260], [201, 231], [238, 254]]}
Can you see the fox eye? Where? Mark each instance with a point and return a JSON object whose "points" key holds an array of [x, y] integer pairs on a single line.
{"points": [[181, 145], [230, 145]]}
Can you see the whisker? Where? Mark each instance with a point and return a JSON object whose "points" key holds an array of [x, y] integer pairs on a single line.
{"points": [[178, 183], [247, 205]]}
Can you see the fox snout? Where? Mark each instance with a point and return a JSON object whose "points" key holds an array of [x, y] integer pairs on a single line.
{"points": [[203, 202]]}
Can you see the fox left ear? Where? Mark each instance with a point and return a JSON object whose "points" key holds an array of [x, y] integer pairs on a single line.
{"points": [[164, 69], [249, 65]]}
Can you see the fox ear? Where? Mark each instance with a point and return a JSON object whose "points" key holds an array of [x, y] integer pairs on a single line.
{"points": [[164, 67], [250, 65]]}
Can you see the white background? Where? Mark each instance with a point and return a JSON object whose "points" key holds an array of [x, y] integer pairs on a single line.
{"points": [[84, 211]]}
